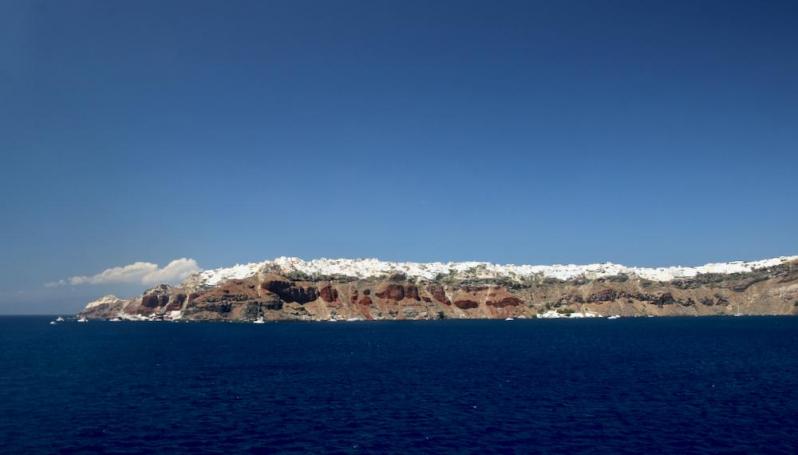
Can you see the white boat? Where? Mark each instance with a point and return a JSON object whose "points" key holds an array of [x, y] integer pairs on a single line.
{"points": [[83, 319], [259, 320], [53, 323], [509, 319], [739, 314], [59, 319], [115, 320], [615, 316]]}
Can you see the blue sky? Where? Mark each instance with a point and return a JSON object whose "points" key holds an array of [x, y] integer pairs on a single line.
{"points": [[644, 133]]}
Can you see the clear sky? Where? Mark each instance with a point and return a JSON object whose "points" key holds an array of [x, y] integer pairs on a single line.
{"points": [[639, 132]]}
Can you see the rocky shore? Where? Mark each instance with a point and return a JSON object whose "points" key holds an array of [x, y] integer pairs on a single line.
{"points": [[274, 291]]}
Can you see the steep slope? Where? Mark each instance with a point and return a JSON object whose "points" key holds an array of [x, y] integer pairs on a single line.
{"points": [[324, 289]]}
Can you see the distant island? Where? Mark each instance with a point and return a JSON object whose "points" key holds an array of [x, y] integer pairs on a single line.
{"points": [[369, 289]]}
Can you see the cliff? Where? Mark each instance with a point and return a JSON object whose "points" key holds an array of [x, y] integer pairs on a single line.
{"points": [[291, 289]]}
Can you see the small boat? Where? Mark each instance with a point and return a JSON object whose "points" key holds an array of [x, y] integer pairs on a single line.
{"points": [[259, 320], [53, 323], [59, 319], [738, 314], [83, 319], [509, 319], [615, 316], [115, 320]]}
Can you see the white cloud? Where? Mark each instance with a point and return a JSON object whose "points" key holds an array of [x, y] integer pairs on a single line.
{"points": [[145, 273]]}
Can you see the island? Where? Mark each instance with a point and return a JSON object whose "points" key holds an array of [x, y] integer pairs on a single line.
{"points": [[369, 289]]}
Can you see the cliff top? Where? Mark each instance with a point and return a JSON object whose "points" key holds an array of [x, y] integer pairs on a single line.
{"points": [[368, 268]]}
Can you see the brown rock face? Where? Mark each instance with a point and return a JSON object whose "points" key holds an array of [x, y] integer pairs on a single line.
{"points": [[397, 292], [466, 304], [438, 293], [156, 297], [329, 294], [772, 291], [176, 302], [505, 302], [411, 292], [606, 295], [288, 292], [392, 292], [150, 301]]}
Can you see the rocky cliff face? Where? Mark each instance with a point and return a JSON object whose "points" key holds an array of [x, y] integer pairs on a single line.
{"points": [[275, 292]]}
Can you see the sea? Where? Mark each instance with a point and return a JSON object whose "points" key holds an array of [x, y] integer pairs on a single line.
{"points": [[632, 385]]}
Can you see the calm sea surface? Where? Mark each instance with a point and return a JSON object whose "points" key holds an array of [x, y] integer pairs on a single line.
{"points": [[630, 385]]}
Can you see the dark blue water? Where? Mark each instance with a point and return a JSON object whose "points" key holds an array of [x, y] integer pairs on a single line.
{"points": [[633, 385]]}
